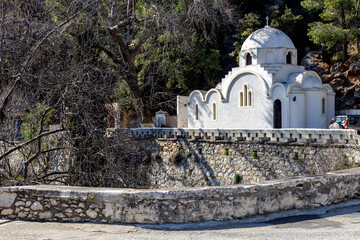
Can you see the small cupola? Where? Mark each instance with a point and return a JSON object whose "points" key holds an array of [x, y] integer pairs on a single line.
{"points": [[268, 46]]}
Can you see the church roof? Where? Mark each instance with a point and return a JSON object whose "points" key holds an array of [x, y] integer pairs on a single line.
{"points": [[267, 37]]}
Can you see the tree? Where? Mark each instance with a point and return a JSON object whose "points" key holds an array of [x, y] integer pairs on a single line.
{"points": [[246, 25], [62, 63], [133, 24], [340, 23], [288, 22]]}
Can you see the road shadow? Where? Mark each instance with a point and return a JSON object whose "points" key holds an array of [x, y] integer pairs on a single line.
{"points": [[297, 217]]}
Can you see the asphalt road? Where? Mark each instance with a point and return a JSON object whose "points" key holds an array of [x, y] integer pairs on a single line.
{"points": [[340, 221]]}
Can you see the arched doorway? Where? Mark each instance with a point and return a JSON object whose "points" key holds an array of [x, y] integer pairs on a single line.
{"points": [[277, 114]]}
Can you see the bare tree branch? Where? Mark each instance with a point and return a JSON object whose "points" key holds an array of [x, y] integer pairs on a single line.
{"points": [[30, 141]]}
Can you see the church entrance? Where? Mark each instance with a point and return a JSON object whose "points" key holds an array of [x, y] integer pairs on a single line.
{"points": [[277, 114]]}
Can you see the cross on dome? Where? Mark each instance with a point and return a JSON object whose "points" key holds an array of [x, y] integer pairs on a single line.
{"points": [[267, 21]]}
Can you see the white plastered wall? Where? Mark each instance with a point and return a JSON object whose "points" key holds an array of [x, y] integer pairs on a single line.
{"points": [[330, 106], [229, 113], [279, 92], [182, 111], [297, 109], [314, 116]]}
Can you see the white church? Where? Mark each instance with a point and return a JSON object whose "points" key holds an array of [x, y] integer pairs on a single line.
{"points": [[267, 90]]}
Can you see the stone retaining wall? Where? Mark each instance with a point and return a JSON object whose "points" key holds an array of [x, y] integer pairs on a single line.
{"points": [[284, 135], [60, 203], [194, 163]]}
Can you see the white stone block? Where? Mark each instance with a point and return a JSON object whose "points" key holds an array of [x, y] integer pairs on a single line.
{"points": [[7, 199], [36, 206]]}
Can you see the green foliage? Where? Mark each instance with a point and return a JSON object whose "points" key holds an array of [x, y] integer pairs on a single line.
{"points": [[339, 25], [254, 154], [237, 178], [288, 22], [32, 118], [337, 57], [246, 25], [327, 34], [345, 164], [296, 157], [171, 62]]}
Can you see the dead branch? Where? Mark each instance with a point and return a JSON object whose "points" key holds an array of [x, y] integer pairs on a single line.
{"points": [[30, 141]]}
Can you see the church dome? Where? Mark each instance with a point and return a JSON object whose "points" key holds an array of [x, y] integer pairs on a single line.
{"points": [[267, 37]]}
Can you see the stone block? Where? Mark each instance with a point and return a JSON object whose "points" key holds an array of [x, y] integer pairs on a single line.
{"points": [[22, 215], [7, 199], [45, 215], [36, 206], [7, 212], [91, 213], [20, 203]]}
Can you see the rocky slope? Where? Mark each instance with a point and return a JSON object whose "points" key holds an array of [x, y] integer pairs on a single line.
{"points": [[343, 77]]}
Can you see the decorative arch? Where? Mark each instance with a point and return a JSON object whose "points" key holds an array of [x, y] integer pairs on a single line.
{"points": [[265, 84], [278, 85], [328, 88], [270, 57], [197, 92], [206, 97], [300, 82]]}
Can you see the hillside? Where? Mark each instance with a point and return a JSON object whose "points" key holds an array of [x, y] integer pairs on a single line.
{"points": [[343, 77]]}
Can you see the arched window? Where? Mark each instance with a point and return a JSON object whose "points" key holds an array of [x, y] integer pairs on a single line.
{"points": [[196, 112], [248, 59], [288, 58], [249, 98], [245, 95], [323, 106], [214, 111], [241, 99]]}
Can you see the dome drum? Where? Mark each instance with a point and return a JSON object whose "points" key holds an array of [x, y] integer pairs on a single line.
{"points": [[268, 46]]}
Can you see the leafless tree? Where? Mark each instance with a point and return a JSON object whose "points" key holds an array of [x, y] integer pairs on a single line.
{"points": [[61, 63]]}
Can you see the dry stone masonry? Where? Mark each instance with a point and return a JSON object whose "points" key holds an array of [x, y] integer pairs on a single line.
{"points": [[212, 157], [78, 204]]}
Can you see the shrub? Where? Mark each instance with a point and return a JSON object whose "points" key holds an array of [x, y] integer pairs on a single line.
{"points": [[237, 178], [176, 158]]}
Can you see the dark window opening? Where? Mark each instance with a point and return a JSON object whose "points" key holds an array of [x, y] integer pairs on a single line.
{"points": [[288, 58], [248, 59], [277, 114]]}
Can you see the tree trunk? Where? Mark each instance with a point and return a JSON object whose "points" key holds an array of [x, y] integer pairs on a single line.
{"points": [[344, 26], [143, 111]]}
